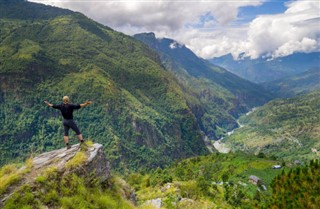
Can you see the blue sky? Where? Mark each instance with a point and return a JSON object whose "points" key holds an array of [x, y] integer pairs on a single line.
{"points": [[247, 14], [213, 28]]}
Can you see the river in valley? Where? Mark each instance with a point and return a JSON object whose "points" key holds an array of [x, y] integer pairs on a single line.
{"points": [[222, 147]]}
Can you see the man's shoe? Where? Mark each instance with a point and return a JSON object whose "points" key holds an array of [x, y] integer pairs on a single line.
{"points": [[68, 146]]}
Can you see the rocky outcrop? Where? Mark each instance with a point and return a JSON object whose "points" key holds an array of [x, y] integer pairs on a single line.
{"points": [[88, 161], [96, 163]]}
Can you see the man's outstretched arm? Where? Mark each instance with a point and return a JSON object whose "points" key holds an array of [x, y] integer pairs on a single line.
{"points": [[47, 103], [85, 104]]}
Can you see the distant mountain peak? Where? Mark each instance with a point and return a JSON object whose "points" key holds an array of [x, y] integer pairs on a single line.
{"points": [[148, 34]]}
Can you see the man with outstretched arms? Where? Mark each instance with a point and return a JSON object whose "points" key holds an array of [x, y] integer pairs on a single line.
{"points": [[66, 109]]}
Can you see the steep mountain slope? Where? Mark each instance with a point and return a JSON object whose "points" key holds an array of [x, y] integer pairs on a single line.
{"points": [[264, 70], [222, 95], [299, 84], [285, 128], [140, 112]]}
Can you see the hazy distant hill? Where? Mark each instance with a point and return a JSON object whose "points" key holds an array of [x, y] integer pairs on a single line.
{"points": [[285, 128], [222, 95], [298, 84], [264, 70]]}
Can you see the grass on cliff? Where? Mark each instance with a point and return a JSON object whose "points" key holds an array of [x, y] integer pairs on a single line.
{"points": [[80, 157], [54, 188], [12, 173], [70, 191]]}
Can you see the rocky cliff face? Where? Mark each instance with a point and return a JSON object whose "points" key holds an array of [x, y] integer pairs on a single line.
{"points": [[87, 162]]}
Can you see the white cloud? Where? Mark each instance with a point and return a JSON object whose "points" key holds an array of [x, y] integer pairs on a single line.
{"points": [[283, 34], [305, 45], [273, 35], [153, 14], [296, 30], [175, 45]]}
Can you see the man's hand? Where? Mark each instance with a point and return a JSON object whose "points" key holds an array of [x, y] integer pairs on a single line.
{"points": [[85, 104], [47, 103]]}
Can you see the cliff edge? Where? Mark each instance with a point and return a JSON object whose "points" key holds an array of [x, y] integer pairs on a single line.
{"points": [[92, 160], [50, 176]]}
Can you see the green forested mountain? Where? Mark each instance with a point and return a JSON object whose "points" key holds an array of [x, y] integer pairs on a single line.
{"points": [[285, 128], [141, 113], [302, 83], [148, 111], [223, 96]]}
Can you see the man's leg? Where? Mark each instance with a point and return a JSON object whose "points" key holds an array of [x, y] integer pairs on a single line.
{"points": [[76, 129], [66, 137], [80, 138]]}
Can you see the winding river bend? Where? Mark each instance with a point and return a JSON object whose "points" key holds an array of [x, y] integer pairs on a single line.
{"points": [[222, 147]]}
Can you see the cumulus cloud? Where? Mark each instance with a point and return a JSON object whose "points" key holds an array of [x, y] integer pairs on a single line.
{"points": [[154, 14], [296, 30], [283, 34], [207, 27], [305, 45]]}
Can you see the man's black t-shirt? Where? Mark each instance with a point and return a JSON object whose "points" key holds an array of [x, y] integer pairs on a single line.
{"points": [[67, 110]]}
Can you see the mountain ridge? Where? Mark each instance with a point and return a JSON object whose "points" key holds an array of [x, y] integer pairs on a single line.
{"points": [[265, 70], [198, 67], [222, 95], [302, 83]]}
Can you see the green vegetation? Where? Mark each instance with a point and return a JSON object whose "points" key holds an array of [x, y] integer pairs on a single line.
{"points": [[215, 180], [8, 176], [12, 173], [144, 115], [211, 181], [140, 113], [298, 188], [66, 187], [287, 129], [67, 191], [77, 160]]}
